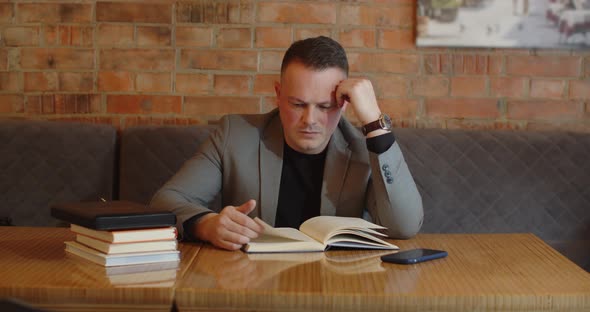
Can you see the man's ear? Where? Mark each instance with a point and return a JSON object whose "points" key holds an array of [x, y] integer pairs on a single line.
{"points": [[277, 92]]}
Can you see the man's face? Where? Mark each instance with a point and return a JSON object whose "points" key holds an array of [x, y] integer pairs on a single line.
{"points": [[307, 106]]}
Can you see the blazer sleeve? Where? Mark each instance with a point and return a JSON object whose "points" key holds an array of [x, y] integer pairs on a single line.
{"points": [[195, 186], [392, 197]]}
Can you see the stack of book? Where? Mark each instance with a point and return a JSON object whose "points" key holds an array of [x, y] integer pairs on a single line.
{"points": [[124, 247], [119, 233]]}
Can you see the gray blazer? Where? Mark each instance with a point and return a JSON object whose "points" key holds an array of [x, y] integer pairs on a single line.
{"points": [[242, 160]]}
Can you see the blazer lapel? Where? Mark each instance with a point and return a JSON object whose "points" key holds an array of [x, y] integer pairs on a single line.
{"points": [[335, 168], [271, 167]]}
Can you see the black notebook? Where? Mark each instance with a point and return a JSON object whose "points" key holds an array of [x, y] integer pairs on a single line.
{"points": [[112, 215]]}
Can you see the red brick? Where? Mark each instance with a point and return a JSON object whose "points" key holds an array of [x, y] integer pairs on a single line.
{"points": [[9, 81], [479, 124], [234, 38], [64, 104], [549, 89], [3, 59], [49, 35], [580, 89], [48, 104], [468, 86], [105, 120], [507, 86], [264, 84], [137, 59], [190, 36], [218, 59], [153, 82], [304, 33], [540, 109], [399, 108], [430, 86], [143, 104], [273, 37], [471, 64], [587, 67], [21, 36], [56, 58], [116, 81], [246, 12], [76, 35], [220, 105], [11, 103], [558, 125], [41, 81], [192, 83], [352, 14], [383, 62], [269, 103], [495, 64], [357, 38], [296, 12], [154, 36], [6, 12], [215, 12], [271, 60], [397, 39], [387, 86], [54, 13], [437, 64], [76, 103], [134, 12], [543, 66], [462, 108], [114, 34], [133, 121], [231, 84], [76, 81]]}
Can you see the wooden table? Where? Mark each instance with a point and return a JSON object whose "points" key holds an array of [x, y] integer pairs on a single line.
{"points": [[483, 272], [35, 269]]}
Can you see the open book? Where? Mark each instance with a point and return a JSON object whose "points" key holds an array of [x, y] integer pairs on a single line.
{"points": [[319, 234]]}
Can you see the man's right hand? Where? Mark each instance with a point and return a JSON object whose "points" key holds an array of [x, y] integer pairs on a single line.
{"points": [[229, 229]]}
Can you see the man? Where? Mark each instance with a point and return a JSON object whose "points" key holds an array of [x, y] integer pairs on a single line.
{"points": [[298, 161]]}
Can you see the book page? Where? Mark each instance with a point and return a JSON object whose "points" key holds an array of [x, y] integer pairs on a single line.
{"points": [[281, 240], [323, 227], [288, 233]]}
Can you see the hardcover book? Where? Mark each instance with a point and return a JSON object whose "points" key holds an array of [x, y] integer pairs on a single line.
{"points": [[121, 259], [112, 215], [118, 248], [127, 236]]}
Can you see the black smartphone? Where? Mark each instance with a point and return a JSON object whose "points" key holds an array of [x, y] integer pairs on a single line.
{"points": [[414, 256]]}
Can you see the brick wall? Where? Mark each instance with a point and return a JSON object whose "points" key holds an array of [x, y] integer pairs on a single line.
{"points": [[180, 62]]}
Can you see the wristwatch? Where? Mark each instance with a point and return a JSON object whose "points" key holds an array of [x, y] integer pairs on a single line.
{"points": [[384, 122]]}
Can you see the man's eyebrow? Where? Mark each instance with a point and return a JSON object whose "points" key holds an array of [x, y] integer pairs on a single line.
{"points": [[295, 99]]}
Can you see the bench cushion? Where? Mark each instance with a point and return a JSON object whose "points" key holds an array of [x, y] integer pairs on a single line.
{"points": [[46, 162], [504, 181], [151, 155]]}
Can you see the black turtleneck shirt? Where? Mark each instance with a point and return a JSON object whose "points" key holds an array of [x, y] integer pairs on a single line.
{"points": [[301, 182], [301, 187]]}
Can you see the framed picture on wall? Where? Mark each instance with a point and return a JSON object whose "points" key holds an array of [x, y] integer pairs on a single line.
{"points": [[504, 23]]}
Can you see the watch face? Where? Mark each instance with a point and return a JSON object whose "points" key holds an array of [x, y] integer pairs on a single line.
{"points": [[385, 122]]}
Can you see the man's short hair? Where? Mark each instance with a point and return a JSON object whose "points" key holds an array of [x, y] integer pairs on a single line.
{"points": [[317, 53]]}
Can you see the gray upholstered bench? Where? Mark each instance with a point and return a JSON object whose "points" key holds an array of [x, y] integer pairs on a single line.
{"points": [[470, 181], [504, 181], [42, 163]]}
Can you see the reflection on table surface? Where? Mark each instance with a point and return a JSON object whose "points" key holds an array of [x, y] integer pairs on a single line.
{"points": [[37, 270], [482, 271]]}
